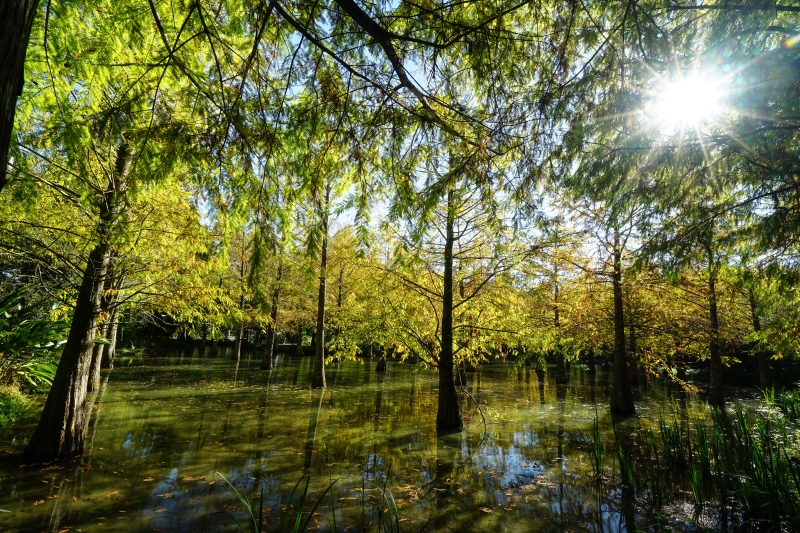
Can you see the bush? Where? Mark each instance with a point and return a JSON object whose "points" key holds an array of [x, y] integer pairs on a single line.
{"points": [[28, 340], [13, 405]]}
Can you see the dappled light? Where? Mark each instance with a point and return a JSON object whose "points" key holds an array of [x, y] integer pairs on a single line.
{"points": [[400, 267]]}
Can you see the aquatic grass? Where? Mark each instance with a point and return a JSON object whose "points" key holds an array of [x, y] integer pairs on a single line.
{"points": [[254, 521], [392, 512], [675, 446], [299, 525], [597, 449], [785, 401], [625, 465], [655, 470], [733, 460]]}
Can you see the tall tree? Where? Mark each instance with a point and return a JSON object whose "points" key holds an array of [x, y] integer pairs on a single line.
{"points": [[16, 23]]}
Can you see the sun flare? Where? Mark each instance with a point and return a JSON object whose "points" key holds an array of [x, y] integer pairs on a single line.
{"points": [[687, 102]]}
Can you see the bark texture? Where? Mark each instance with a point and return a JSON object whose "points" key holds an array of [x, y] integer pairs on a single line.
{"points": [[16, 22], [110, 349], [60, 433], [621, 393], [448, 416]]}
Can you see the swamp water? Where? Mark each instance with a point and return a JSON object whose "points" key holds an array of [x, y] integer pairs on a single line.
{"points": [[161, 427]]}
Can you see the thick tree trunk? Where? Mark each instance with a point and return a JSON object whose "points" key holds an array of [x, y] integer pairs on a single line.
{"points": [[381, 366], [621, 393], [60, 430], [717, 393], [318, 378], [764, 374], [16, 21], [448, 416]]}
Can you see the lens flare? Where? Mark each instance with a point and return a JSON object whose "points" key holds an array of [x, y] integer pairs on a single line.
{"points": [[687, 102]]}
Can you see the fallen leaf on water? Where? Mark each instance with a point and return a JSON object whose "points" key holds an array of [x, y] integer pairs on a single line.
{"points": [[189, 479], [54, 496], [38, 502], [486, 509], [148, 479], [164, 495], [111, 495], [162, 510]]}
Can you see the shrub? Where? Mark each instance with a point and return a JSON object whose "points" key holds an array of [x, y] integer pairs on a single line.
{"points": [[12, 405]]}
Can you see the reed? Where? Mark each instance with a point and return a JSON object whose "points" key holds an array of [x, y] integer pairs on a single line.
{"points": [[737, 460], [597, 449], [300, 526]]}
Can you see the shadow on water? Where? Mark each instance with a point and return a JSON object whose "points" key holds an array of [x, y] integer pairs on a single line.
{"points": [[161, 427]]}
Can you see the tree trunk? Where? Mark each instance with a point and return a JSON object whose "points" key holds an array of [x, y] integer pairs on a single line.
{"points": [[93, 382], [237, 355], [16, 22], [381, 366], [110, 349], [448, 416], [60, 430], [318, 378], [621, 393], [591, 369], [203, 337], [764, 374], [561, 371], [717, 392], [269, 348], [633, 369]]}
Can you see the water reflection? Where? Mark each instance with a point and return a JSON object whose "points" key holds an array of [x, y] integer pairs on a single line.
{"points": [[162, 427]]}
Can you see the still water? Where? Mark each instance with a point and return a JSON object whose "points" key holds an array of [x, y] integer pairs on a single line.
{"points": [[163, 427]]}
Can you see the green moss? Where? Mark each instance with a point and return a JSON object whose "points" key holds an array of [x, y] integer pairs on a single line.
{"points": [[12, 405]]}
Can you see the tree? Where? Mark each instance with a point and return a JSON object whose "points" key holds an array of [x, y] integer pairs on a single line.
{"points": [[15, 30], [453, 255]]}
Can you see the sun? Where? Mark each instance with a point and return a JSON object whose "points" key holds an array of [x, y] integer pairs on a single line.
{"points": [[687, 102]]}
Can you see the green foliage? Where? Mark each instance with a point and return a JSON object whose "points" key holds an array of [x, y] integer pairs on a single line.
{"points": [[28, 338], [13, 405]]}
